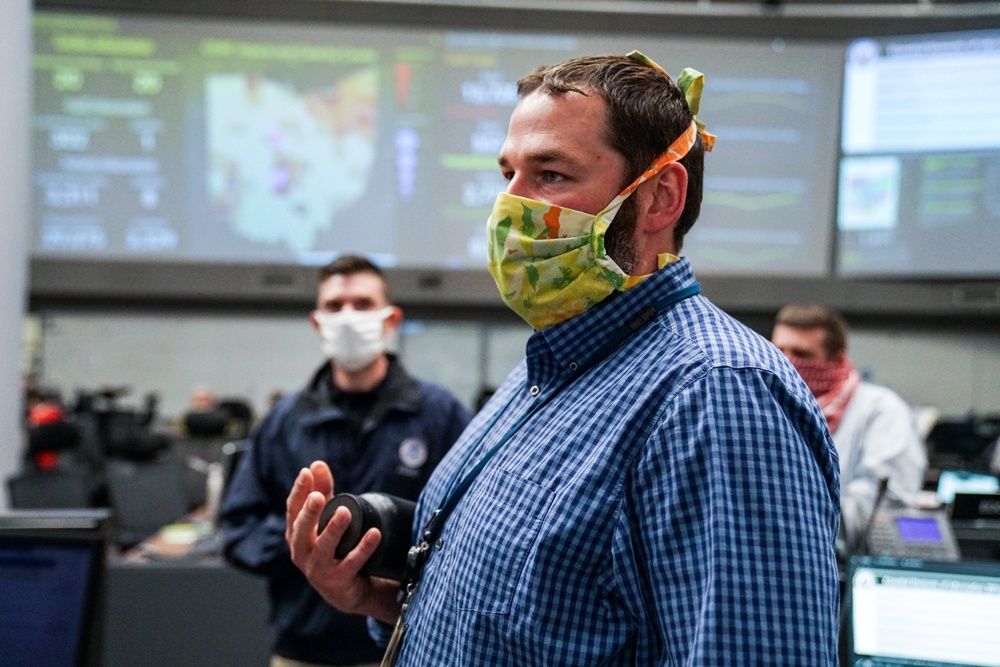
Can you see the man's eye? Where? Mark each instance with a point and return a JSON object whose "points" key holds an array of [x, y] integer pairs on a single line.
{"points": [[552, 176], [507, 175]]}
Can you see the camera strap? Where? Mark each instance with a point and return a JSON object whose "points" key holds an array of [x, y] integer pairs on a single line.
{"points": [[419, 554]]}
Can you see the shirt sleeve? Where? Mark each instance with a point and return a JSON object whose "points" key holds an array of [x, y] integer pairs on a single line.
{"points": [[252, 518], [725, 545], [888, 447]]}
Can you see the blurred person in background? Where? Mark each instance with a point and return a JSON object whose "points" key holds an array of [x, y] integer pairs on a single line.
{"points": [[375, 426], [873, 428]]}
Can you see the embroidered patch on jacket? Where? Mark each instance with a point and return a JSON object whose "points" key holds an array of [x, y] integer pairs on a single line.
{"points": [[413, 452]]}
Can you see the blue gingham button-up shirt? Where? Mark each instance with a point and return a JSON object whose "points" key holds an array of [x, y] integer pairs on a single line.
{"points": [[677, 504]]}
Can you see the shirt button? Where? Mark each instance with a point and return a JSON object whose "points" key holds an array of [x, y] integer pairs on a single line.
{"points": [[573, 365], [534, 391]]}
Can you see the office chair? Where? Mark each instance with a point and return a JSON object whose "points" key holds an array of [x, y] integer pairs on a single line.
{"points": [[145, 495], [206, 423], [54, 476], [201, 445], [241, 416]]}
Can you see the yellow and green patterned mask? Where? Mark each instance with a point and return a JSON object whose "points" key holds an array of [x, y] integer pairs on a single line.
{"points": [[549, 262]]}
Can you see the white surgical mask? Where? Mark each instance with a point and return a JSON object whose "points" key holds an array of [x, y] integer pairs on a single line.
{"points": [[353, 339]]}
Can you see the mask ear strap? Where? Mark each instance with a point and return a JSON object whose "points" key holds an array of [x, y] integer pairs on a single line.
{"points": [[677, 150]]}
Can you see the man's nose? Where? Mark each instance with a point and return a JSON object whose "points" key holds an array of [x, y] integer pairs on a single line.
{"points": [[519, 187]]}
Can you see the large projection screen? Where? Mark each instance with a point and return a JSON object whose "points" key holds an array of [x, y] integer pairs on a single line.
{"points": [[919, 191], [206, 151], [196, 140]]}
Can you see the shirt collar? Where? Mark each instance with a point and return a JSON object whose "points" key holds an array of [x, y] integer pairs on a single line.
{"points": [[556, 349], [398, 390]]}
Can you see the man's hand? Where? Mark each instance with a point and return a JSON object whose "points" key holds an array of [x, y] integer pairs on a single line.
{"points": [[337, 580], [316, 478]]}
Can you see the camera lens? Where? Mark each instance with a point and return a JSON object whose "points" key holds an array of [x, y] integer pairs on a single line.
{"points": [[359, 522], [393, 517]]}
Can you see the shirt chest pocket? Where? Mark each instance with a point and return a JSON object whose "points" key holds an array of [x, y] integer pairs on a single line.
{"points": [[493, 534]]}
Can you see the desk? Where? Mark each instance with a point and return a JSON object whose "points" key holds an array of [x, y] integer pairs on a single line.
{"points": [[978, 539], [176, 612]]}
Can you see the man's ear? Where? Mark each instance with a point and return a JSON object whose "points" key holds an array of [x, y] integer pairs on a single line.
{"points": [[666, 194], [313, 320], [395, 318]]}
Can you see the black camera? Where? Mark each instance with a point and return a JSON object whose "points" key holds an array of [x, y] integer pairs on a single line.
{"points": [[391, 515]]}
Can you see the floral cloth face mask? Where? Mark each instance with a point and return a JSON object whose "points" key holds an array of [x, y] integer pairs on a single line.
{"points": [[549, 262]]}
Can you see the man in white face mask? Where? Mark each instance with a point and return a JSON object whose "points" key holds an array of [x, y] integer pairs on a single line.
{"points": [[354, 321], [377, 427]]}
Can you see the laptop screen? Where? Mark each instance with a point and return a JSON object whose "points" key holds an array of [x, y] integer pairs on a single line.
{"points": [[49, 595], [914, 613]]}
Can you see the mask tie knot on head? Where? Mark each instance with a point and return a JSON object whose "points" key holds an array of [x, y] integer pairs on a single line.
{"points": [[692, 84]]}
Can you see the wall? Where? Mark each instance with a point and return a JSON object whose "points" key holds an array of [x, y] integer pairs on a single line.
{"points": [[248, 355], [15, 107], [254, 355], [954, 372]]}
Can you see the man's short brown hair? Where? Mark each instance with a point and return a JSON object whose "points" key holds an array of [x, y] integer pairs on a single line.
{"points": [[646, 113], [349, 265], [816, 316]]}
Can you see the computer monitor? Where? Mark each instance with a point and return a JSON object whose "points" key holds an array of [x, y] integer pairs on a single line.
{"points": [[918, 169], [951, 482], [51, 572], [962, 443], [916, 613]]}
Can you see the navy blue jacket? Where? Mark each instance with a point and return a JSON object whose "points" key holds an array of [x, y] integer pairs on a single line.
{"points": [[406, 434]]}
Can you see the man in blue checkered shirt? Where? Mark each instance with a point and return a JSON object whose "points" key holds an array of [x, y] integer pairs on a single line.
{"points": [[654, 484]]}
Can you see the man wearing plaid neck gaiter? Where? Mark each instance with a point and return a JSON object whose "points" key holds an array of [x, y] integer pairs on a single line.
{"points": [[872, 427]]}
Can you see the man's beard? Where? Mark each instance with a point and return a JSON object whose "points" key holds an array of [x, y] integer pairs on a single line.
{"points": [[618, 239]]}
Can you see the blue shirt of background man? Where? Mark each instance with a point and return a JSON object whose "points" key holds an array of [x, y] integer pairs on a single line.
{"points": [[675, 505]]}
